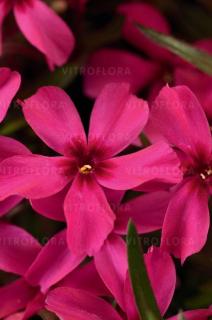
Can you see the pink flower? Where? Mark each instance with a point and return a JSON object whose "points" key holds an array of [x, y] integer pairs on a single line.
{"points": [[39, 269], [117, 118], [80, 305], [114, 65], [42, 28], [177, 117], [9, 85], [112, 267], [111, 264]]}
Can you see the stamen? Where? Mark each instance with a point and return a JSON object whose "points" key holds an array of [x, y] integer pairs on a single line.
{"points": [[203, 176], [209, 172], [86, 169], [206, 173]]}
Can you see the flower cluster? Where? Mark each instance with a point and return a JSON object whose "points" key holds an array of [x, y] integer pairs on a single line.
{"points": [[95, 179]]}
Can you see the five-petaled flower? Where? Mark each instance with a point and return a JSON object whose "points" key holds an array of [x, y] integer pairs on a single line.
{"points": [[178, 117], [87, 165]]}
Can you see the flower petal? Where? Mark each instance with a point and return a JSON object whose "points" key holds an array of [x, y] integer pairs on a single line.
{"points": [[18, 249], [53, 116], [147, 212], [8, 204], [116, 120], [89, 216], [199, 83], [162, 277], [9, 84], [76, 304], [53, 263], [198, 314], [86, 278], [147, 16], [45, 30], [14, 297], [157, 162], [180, 104], [51, 207], [34, 306], [10, 147], [33, 176], [114, 197], [15, 316], [111, 263], [185, 233], [111, 65]]}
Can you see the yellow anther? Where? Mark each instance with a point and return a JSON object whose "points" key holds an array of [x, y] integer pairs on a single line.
{"points": [[203, 176], [86, 169], [207, 173]]}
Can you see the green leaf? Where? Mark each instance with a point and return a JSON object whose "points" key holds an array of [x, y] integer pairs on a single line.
{"points": [[144, 296], [198, 58]]}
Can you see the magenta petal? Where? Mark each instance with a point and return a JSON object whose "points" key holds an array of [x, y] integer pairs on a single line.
{"points": [[8, 204], [10, 147], [116, 120], [76, 304], [114, 197], [111, 263], [33, 176], [199, 83], [51, 207], [86, 278], [157, 162], [185, 233], [199, 314], [89, 216], [15, 316], [131, 308], [150, 17], [14, 297], [45, 30], [162, 274], [112, 65], [52, 115], [9, 84], [34, 306], [147, 212], [53, 263], [18, 249], [180, 104]]}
